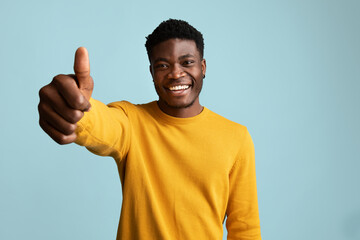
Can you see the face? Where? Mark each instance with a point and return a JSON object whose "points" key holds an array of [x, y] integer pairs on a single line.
{"points": [[178, 71]]}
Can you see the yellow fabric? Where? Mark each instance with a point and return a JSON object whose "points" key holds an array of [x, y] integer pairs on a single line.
{"points": [[180, 176]]}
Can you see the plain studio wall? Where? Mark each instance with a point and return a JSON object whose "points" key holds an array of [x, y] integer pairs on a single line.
{"points": [[288, 70]]}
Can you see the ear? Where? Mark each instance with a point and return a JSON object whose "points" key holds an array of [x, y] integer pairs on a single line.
{"points": [[203, 66]]}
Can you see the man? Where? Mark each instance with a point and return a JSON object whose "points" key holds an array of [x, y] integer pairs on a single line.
{"points": [[183, 168]]}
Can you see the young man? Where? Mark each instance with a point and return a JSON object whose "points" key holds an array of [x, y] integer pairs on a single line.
{"points": [[183, 168]]}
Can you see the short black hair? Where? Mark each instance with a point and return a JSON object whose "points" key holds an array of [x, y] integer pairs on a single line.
{"points": [[174, 28]]}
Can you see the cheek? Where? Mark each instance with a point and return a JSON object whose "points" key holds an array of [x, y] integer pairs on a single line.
{"points": [[198, 78], [158, 78], [199, 85], [158, 86], [158, 90], [199, 73]]}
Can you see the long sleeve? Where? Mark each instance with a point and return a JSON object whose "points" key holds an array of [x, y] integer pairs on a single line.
{"points": [[242, 210], [104, 130]]}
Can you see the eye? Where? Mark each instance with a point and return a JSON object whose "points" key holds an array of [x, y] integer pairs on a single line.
{"points": [[161, 66], [188, 62]]}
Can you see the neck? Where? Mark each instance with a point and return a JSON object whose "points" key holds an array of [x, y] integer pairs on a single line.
{"points": [[185, 112]]}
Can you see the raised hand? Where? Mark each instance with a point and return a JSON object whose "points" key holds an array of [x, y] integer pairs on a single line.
{"points": [[64, 101]]}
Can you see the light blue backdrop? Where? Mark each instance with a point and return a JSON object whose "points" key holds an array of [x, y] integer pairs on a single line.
{"points": [[288, 70]]}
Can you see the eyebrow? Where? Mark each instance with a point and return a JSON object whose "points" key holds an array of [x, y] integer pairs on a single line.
{"points": [[186, 56], [161, 59]]}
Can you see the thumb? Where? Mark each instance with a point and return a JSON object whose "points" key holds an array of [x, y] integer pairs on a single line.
{"points": [[82, 72]]}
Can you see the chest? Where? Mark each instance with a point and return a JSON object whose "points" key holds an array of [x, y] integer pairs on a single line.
{"points": [[182, 152]]}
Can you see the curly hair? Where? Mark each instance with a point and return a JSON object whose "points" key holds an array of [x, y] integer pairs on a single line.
{"points": [[174, 28]]}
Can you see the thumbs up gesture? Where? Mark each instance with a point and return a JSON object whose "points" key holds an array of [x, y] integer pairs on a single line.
{"points": [[64, 101]]}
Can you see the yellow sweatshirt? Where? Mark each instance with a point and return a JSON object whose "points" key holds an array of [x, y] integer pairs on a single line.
{"points": [[180, 176]]}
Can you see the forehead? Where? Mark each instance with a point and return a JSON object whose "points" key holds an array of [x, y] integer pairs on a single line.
{"points": [[174, 48]]}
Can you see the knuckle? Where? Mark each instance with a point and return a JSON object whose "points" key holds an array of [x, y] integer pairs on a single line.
{"points": [[69, 128], [58, 77], [76, 116], [66, 139], [60, 80], [79, 101], [41, 107], [41, 124], [43, 91], [56, 81], [61, 139], [40, 111], [72, 128], [43, 111]]}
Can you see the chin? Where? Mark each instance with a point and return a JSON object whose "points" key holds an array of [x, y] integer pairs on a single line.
{"points": [[180, 105]]}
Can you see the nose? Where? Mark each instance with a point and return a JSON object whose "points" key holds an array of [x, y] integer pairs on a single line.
{"points": [[176, 72]]}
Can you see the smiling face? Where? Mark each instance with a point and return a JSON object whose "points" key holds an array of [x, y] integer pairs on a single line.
{"points": [[178, 71]]}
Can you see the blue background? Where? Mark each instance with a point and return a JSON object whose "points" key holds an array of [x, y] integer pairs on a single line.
{"points": [[288, 70]]}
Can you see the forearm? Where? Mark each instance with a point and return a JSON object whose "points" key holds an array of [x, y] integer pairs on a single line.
{"points": [[103, 130]]}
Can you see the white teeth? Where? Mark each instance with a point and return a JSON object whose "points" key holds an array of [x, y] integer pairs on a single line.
{"points": [[179, 87]]}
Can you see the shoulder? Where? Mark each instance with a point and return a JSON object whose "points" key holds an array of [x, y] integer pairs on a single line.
{"points": [[227, 125], [234, 136], [125, 105], [131, 108]]}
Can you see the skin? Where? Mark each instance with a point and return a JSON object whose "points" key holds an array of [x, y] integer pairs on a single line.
{"points": [[65, 99], [178, 62]]}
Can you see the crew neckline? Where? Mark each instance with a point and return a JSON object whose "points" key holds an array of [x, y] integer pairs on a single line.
{"points": [[178, 120]]}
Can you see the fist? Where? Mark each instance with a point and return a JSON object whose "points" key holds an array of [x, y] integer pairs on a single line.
{"points": [[64, 100]]}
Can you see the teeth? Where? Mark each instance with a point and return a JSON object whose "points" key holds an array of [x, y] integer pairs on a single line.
{"points": [[179, 87]]}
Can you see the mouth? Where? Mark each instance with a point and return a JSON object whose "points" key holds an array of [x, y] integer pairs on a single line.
{"points": [[179, 90], [179, 87]]}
